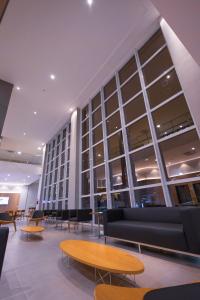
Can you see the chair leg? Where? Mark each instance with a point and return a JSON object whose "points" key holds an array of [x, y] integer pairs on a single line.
{"points": [[14, 223]]}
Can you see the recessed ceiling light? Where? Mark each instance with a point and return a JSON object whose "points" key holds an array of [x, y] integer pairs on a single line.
{"points": [[28, 176], [53, 77], [19, 152], [43, 144], [165, 132], [180, 173], [99, 154], [24, 133], [181, 126], [8, 175], [193, 148], [35, 112], [18, 88], [90, 2], [168, 76], [39, 148], [71, 109], [158, 126]]}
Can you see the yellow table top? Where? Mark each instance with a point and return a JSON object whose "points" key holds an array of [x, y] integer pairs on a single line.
{"points": [[32, 229], [102, 257], [110, 292]]}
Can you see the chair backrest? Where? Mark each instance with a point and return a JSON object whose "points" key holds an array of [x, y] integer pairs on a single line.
{"points": [[72, 213], [65, 214], [38, 214], [3, 242], [84, 214], [5, 216]]}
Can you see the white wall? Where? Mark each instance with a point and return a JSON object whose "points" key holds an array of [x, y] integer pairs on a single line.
{"points": [[184, 18], [187, 69]]}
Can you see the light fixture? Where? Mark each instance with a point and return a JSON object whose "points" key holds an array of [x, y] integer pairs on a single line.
{"points": [[165, 132], [168, 76], [8, 175], [35, 112], [180, 173], [71, 109], [19, 152], [39, 148], [180, 126], [24, 133], [99, 154], [90, 2], [18, 88], [43, 144], [193, 148], [53, 77], [28, 176], [158, 126]]}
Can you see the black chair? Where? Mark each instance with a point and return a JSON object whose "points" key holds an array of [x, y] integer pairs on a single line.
{"points": [[5, 219], [181, 292], [37, 216], [61, 217], [82, 216], [3, 242]]}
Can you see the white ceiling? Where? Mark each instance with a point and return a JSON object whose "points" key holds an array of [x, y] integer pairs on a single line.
{"points": [[81, 45], [18, 173]]}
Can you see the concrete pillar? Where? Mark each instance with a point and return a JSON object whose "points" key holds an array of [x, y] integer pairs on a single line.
{"points": [[73, 198]]}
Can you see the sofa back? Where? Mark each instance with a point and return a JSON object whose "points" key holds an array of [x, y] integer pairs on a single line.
{"points": [[153, 214]]}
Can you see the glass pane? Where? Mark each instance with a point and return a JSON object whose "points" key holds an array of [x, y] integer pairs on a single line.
{"points": [[118, 174], [54, 192], [61, 189], [172, 117], [100, 202], [98, 154], [110, 88], [128, 69], [144, 167], [181, 155], [85, 142], [111, 104], [85, 126], [61, 172], [85, 112], [66, 189], [134, 109], [120, 200], [113, 123], [99, 179], [139, 134], [85, 160], [64, 133], [164, 88], [96, 101], [97, 134], [151, 46], [157, 66], [96, 117], [181, 194], [131, 88], [85, 202], [115, 145], [196, 187], [149, 197], [86, 183]]}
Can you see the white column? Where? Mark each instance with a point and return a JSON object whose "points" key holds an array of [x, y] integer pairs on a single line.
{"points": [[73, 197]]}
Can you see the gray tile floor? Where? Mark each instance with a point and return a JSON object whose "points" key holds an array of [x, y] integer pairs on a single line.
{"points": [[34, 268]]}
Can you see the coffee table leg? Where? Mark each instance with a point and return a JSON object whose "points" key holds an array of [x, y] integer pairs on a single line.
{"points": [[101, 277]]}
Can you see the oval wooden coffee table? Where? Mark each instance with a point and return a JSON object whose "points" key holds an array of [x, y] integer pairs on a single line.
{"points": [[32, 229], [101, 257]]}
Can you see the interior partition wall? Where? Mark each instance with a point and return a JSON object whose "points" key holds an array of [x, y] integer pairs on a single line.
{"points": [[55, 177], [139, 143]]}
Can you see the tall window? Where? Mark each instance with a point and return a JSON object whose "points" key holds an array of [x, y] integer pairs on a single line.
{"points": [[56, 171], [140, 146]]}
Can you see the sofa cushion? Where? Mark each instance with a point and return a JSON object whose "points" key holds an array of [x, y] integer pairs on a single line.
{"points": [[166, 235], [153, 214]]}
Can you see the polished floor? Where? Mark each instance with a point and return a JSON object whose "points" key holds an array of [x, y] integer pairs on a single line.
{"points": [[35, 269]]}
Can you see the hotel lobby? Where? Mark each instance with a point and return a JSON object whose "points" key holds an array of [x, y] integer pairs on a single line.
{"points": [[99, 150]]}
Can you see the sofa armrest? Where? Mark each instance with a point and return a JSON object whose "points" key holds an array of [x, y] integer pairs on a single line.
{"points": [[191, 224], [111, 215]]}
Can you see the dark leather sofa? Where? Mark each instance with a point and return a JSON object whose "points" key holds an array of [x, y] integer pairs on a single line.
{"points": [[175, 228], [3, 242]]}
